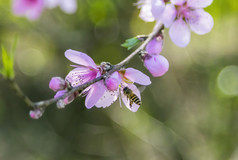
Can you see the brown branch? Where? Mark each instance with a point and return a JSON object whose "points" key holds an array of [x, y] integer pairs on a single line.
{"points": [[43, 104]]}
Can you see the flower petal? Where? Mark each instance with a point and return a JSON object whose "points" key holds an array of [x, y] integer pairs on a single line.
{"points": [[168, 15], [199, 3], [137, 76], [157, 8], [80, 76], [178, 2], [51, 3], [180, 33], [145, 13], [80, 58], [200, 21], [155, 46], [134, 107], [95, 93], [68, 6], [157, 65], [108, 98]]}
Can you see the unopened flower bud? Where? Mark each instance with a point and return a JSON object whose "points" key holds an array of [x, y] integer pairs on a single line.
{"points": [[36, 114], [60, 104], [156, 64], [113, 81], [57, 83], [155, 46]]}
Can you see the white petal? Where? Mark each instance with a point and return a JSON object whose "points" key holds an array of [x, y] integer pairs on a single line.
{"points": [[137, 76], [200, 21], [68, 6], [157, 8], [134, 107], [107, 99], [180, 33], [169, 15], [178, 2], [199, 3], [146, 14], [51, 3]]}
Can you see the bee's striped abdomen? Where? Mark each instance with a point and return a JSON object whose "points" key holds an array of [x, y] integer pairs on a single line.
{"points": [[135, 99]]}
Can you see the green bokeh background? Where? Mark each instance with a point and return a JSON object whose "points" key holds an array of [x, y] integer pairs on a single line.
{"points": [[191, 113]]}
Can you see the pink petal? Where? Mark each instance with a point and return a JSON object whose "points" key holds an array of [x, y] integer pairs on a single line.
{"points": [[178, 2], [157, 8], [113, 81], [126, 100], [155, 46], [31, 9], [80, 76], [95, 93], [169, 15], [200, 21], [157, 65], [180, 33], [145, 13], [60, 93], [80, 58], [199, 3], [137, 76], [108, 98], [68, 6]]}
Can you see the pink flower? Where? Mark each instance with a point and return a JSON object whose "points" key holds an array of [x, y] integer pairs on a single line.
{"points": [[129, 76], [186, 15], [61, 104], [57, 83], [30, 8], [68, 6], [36, 113], [155, 63], [113, 81], [181, 16], [86, 70]]}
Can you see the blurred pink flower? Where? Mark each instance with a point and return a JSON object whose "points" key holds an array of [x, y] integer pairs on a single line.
{"points": [[36, 113], [68, 6], [180, 16], [30, 8]]}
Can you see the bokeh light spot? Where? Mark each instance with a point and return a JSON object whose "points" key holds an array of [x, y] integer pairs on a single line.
{"points": [[228, 80], [31, 62]]}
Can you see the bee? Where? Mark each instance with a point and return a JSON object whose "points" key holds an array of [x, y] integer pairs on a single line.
{"points": [[131, 96]]}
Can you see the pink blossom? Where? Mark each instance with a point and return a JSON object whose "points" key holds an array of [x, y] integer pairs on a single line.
{"points": [[57, 83], [156, 64], [155, 46], [36, 113], [30, 8], [129, 76], [66, 100], [68, 6], [181, 16], [85, 71], [113, 81]]}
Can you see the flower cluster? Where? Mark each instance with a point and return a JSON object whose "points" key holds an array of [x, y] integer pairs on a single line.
{"points": [[180, 16], [32, 9], [102, 93]]}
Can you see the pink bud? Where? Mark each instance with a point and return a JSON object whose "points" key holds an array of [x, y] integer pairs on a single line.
{"points": [[67, 99], [57, 83], [155, 46], [36, 114], [156, 64], [113, 81]]}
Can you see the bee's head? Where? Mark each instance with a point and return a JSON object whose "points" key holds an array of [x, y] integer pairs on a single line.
{"points": [[126, 90]]}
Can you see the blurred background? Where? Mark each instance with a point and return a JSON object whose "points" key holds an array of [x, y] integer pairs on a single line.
{"points": [[191, 113]]}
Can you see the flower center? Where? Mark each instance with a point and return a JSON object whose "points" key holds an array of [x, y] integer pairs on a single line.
{"points": [[182, 11]]}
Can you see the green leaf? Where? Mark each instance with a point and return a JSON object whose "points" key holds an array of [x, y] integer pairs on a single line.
{"points": [[8, 62], [130, 43]]}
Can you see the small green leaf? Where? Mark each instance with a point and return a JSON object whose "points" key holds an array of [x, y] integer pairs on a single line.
{"points": [[130, 43], [8, 62]]}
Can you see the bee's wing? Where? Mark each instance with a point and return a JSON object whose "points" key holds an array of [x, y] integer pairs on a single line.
{"points": [[141, 88], [134, 107]]}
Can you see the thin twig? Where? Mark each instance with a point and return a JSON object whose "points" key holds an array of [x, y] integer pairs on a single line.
{"points": [[45, 103]]}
